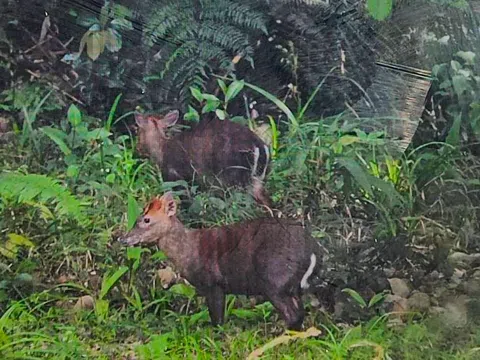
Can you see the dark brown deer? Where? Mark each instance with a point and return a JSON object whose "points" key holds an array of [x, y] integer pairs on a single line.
{"points": [[269, 257], [214, 147]]}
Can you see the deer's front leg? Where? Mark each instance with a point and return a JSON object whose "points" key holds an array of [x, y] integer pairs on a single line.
{"points": [[215, 298]]}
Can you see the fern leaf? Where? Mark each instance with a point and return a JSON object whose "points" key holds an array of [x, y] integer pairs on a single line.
{"points": [[25, 188]]}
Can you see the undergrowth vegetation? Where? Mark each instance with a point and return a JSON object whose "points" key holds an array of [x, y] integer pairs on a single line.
{"points": [[68, 190], [71, 183]]}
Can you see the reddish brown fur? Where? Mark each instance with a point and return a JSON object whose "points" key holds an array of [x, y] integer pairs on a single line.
{"points": [[216, 148], [267, 257]]}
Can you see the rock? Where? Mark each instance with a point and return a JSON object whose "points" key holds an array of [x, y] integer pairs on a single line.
{"points": [[437, 311], [85, 302], [418, 302], [396, 304], [389, 272], [456, 314], [399, 287], [462, 260], [166, 276], [473, 307], [476, 274], [472, 287], [457, 276]]}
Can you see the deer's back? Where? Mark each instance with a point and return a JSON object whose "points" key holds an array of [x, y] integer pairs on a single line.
{"points": [[220, 148], [243, 257]]}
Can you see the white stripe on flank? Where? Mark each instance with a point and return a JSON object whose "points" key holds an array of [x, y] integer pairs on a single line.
{"points": [[256, 155], [304, 283], [267, 158]]}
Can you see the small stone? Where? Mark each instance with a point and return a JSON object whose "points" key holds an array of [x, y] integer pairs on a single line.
{"points": [[418, 302], [457, 276], [399, 287], [462, 260], [437, 310], [389, 272], [472, 287], [85, 302], [395, 303], [166, 276]]}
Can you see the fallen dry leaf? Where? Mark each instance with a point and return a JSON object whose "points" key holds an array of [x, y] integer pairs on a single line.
{"points": [[283, 339]]}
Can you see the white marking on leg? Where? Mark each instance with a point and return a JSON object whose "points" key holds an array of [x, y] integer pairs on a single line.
{"points": [[267, 158], [256, 155], [304, 283]]}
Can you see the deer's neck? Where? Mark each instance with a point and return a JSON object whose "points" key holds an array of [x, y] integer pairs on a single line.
{"points": [[157, 153], [180, 245]]}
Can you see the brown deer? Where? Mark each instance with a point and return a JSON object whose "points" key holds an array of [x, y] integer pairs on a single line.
{"points": [[268, 257], [214, 147]]}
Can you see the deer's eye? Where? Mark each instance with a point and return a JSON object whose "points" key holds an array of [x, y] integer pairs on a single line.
{"points": [[146, 220]]}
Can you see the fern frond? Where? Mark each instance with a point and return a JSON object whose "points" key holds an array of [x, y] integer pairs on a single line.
{"points": [[209, 33], [228, 37], [228, 11], [25, 188], [168, 19]]}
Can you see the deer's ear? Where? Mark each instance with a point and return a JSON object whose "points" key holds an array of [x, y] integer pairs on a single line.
{"points": [[171, 118], [154, 205], [141, 119], [169, 204]]}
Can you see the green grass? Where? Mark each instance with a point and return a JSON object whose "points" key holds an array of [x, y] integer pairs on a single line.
{"points": [[73, 197], [40, 328]]}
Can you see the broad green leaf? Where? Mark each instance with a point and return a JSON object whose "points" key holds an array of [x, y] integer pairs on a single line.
{"points": [[460, 84], [233, 89], [159, 255], [356, 296], [113, 40], [455, 65], [453, 137], [135, 253], [74, 115], [376, 299], [95, 44], [121, 11], [110, 178], [57, 137], [196, 94], [348, 139], [101, 309], [104, 14], [379, 9], [191, 115], [467, 56], [222, 85], [133, 211], [220, 114], [20, 240], [358, 173], [210, 97], [211, 105], [122, 24], [184, 290], [97, 134], [73, 170], [110, 280]]}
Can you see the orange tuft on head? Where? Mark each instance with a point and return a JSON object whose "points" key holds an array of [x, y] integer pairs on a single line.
{"points": [[165, 203], [153, 206]]}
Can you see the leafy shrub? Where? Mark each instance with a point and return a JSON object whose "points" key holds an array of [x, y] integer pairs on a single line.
{"points": [[199, 38]]}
